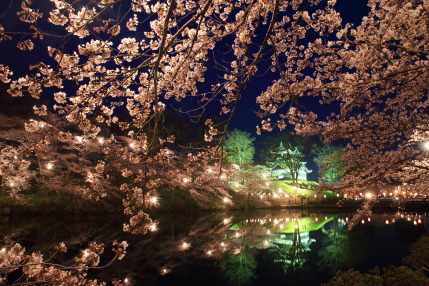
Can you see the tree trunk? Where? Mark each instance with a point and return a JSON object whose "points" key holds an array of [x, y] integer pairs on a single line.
{"points": [[2, 186]]}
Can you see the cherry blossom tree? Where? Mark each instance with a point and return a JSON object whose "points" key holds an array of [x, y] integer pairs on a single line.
{"points": [[377, 73], [116, 64]]}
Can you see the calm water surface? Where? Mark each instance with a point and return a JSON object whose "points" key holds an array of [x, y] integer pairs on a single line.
{"points": [[255, 248]]}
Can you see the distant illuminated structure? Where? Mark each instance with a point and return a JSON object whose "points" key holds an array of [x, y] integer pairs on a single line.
{"points": [[285, 174]]}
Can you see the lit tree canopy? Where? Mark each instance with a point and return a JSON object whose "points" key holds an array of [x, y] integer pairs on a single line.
{"points": [[328, 158], [239, 147]]}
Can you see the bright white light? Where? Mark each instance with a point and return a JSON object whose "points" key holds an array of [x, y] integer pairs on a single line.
{"points": [[387, 221], [275, 196], [209, 170], [3, 249], [79, 139], [132, 145], [186, 180], [296, 226], [101, 140], [426, 145], [12, 184], [369, 219], [368, 195], [49, 166], [154, 200], [209, 252], [225, 200], [185, 245], [126, 280]]}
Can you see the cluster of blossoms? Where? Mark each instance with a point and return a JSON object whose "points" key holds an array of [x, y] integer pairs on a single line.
{"points": [[37, 270]]}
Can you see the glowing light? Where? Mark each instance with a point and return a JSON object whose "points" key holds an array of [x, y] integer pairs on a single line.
{"points": [[387, 221], [49, 166], [237, 185], [296, 226], [3, 249], [12, 184], [369, 219], [154, 200], [209, 170], [426, 145], [222, 244], [209, 252], [79, 139], [368, 195], [42, 125], [363, 221], [126, 280], [153, 227], [281, 226], [326, 217], [419, 221], [85, 253], [225, 200], [275, 196], [186, 180], [316, 219], [101, 140], [226, 220], [164, 271], [338, 195], [132, 145], [237, 234], [185, 245], [265, 242], [415, 222], [347, 218], [268, 232]]}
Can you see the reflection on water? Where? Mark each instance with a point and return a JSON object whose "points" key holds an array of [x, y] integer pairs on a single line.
{"points": [[260, 248]]}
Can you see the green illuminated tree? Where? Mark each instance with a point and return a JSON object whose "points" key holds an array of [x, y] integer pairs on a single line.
{"points": [[239, 146], [327, 157]]}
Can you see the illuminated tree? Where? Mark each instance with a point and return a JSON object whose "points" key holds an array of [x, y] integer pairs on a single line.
{"points": [[239, 147], [329, 159]]}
